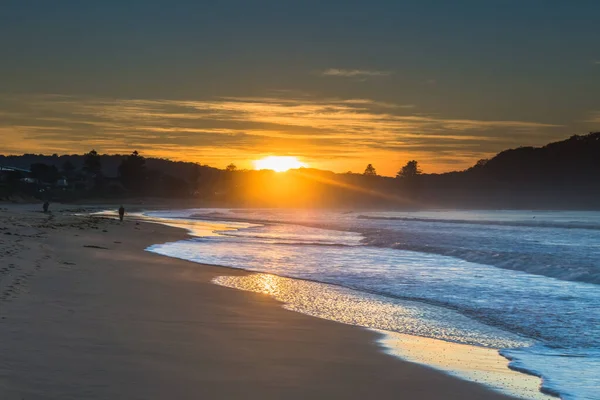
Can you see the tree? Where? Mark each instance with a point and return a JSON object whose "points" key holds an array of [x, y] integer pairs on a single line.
{"points": [[409, 171], [132, 172], [231, 168], [68, 168], [408, 178], [370, 170], [92, 163], [44, 173], [481, 163], [172, 186], [13, 180], [194, 176]]}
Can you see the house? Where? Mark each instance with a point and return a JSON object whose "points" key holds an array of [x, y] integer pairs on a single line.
{"points": [[5, 172], [62, 183]]}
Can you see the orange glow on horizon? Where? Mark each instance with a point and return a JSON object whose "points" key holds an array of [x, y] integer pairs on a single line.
{"points": [[278, 163]]}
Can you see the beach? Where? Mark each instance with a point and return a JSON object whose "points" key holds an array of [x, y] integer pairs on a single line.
{"points": [[85, 312]]}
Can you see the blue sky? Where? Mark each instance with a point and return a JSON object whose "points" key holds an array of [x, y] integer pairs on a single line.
{"points": [[443, 82]]}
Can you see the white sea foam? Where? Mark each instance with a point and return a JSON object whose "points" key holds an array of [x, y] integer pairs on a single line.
{"points": [[559, 318]]}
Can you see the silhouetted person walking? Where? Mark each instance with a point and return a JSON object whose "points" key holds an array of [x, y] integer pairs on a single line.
{"points": [[121, 213], [46, 206]]}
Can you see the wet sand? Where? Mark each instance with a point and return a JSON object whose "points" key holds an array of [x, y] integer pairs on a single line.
{"points": [[86, 313]]}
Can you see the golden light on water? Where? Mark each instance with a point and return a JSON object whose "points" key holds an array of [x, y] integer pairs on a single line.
{"points": [[368, 310], [478, 364], [418, 322], [278, 163]]}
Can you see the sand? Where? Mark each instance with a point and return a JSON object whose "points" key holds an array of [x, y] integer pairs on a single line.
{"points": [[86, 313]]}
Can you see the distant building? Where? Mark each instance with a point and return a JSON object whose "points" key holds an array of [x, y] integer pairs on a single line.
{"points": [[5, 170], [62, 183]]}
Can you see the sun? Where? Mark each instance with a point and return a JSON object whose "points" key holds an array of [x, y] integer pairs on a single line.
{"points": [[278, 163]]}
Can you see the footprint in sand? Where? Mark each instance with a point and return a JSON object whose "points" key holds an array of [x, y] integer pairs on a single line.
{"points": [[91, 246]]}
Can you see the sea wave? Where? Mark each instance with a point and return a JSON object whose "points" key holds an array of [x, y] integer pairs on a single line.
{"points": [[265, 240], [442, 237], [530, 224], [555, 265], [432, 261]]}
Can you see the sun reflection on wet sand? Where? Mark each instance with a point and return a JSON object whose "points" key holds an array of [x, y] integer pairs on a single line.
{"points": [[474, 363], [200, 228], [418, 323]]}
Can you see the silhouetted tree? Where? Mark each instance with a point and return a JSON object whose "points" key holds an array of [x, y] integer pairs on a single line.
{"points": [[174, 187], [13, 180], [231, 168], [370, 170], [68, 169], [409, 171], [195, 175], [92, 163], [44, 173], [482, 162], [132, 172], [153, 175], [408, 178]]}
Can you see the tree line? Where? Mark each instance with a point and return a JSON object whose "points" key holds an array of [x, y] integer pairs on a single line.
{"points": [[409, 171], [559, 175], [67, 181]]}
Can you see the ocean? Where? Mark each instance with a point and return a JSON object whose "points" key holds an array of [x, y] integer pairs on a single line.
{"points": [[525, 284]]}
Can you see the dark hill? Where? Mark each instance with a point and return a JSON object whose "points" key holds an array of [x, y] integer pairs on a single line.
{"points": [[560, 175], [576, 158], [564, 175]]}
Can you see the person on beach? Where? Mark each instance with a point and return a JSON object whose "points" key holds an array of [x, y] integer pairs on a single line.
{"points": [[46, 206], [121, 213]]}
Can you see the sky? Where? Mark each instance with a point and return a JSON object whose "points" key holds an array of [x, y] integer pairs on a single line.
{"points": [[337, 84]]}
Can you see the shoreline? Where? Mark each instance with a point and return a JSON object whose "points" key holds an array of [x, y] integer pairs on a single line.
{"points": [[495, 363], [87, 313], [487, 366]]}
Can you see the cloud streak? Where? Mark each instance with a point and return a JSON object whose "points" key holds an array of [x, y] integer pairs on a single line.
{"points": [[594, 117], [221, 130], [354, 73]]}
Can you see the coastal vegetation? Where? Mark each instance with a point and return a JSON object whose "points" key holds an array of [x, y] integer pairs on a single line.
{"points": [[559, 175]]}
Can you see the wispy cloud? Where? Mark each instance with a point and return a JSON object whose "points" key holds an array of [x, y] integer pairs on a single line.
{"points": [[594, 117], [354, 73], [221, 130], [597, 62]]}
